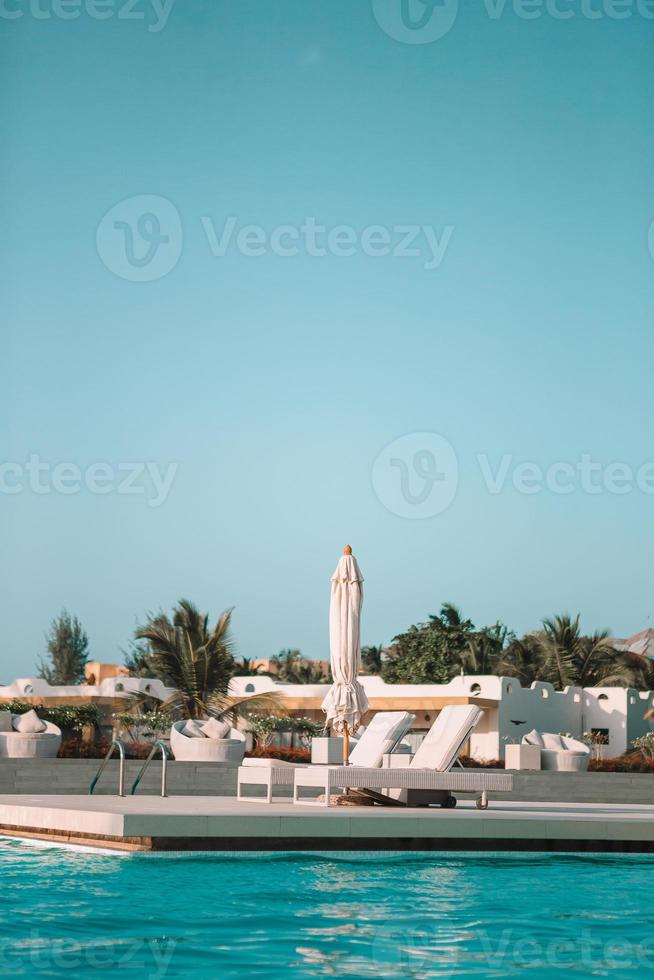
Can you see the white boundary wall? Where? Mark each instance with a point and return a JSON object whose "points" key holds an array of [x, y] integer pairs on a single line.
{"points": [[516, 710]]}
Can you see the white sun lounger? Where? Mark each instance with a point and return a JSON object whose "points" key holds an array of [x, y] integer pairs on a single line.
{"points": [[427, 779], [383, 734]]}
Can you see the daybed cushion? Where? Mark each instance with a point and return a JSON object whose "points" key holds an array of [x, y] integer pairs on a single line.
{"points": [[5, 721], [255, 763], [216, 729], [553, 742], [444, 740], [381, 736], [193, 729], [29, 723], [533, 738]]}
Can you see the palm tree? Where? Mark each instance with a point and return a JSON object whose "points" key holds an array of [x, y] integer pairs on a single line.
{"points": [[483, 650], [522, 659], [245, 668], [285, 665], [197, 661], [562, 645], [371, 659]]}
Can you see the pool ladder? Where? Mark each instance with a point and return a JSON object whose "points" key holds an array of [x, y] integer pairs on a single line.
{"points": [[161, 747], [117, 744]]}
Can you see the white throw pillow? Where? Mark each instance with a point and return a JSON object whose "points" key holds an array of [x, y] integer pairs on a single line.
{"points": [[5, 721], [533, 738], [29, 723], [216, 729], [554, 743], [193, 729]]}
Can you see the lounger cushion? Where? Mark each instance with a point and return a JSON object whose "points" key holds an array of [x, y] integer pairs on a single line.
{"points": [[444, 740], [5, 721], [553, 742], [29, 723], [216, 729], [533, 738], [193, 729], [252, 763], [383, 733]]}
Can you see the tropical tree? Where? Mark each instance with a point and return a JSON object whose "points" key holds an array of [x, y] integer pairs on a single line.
{"points": [[371, 659], [521, 659], [197, 661], [68, 651], [245, 668], [484, 649], [563, 655], [569, 657], [434, 652], [290, 667]]}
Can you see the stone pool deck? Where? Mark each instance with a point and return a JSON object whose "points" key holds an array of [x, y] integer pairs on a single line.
{"points": [[201, 823]]}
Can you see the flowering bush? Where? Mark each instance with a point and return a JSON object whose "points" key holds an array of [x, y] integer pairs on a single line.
{"points": [[144, 725], [265, 726], [71, 717], [645, 745]]}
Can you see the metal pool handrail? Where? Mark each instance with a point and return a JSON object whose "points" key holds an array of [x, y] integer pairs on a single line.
{"points": [[116, 744], [161, 746]]}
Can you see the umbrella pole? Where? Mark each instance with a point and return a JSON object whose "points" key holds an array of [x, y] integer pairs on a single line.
{"points": [[346, 744]]}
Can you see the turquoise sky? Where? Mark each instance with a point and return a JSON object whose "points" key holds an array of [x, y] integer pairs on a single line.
{"points": [[273, 382]]}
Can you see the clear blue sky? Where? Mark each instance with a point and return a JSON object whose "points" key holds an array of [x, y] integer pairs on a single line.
{"points": [[274, 382]]}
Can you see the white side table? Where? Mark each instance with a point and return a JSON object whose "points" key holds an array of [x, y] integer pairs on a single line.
{"points": [[327, 751], [522, 757]]}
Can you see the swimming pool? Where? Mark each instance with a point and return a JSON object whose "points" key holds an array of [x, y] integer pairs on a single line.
{"points": [[330, 915]]}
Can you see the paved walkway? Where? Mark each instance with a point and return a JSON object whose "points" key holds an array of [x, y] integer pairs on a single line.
{"points": [[201, 822]]}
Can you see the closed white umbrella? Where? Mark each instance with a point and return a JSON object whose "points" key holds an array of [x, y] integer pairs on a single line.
{"points": [[346, 701]]}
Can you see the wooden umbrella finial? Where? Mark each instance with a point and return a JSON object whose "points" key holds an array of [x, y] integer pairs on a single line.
{"points": [[348, 549]]}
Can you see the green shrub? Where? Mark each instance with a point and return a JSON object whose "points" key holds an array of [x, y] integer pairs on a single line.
{"points": [[75, 717]]}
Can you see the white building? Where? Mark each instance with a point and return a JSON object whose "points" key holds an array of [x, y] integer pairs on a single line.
{"points": [[510, 710]]}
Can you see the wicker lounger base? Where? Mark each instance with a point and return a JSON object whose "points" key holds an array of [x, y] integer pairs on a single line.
{"points": [[428, 786]]}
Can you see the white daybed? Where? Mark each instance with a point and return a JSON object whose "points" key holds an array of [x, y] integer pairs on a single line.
{"points": [[427, 778]]}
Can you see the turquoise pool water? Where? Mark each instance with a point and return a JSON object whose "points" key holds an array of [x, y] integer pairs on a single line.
{"points": [[359, 915]]}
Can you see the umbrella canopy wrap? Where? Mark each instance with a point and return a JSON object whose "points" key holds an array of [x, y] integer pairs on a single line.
{"points": [[346, 701]]}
